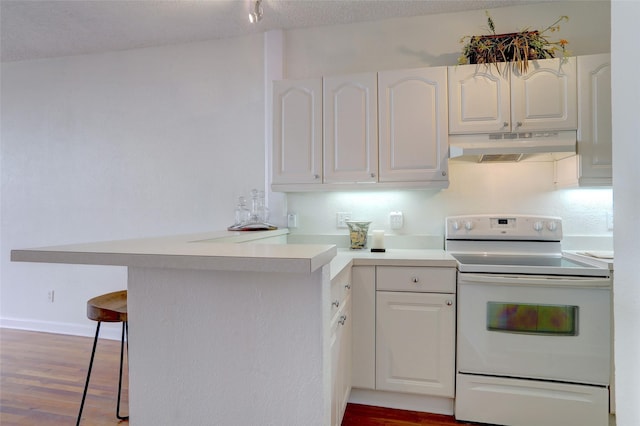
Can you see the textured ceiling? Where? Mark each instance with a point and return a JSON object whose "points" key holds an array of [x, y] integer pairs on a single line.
{"points": [[31, 29]]}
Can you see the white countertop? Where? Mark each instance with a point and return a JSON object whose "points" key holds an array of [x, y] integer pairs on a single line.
{"points": [[192, 251], [220, 250], [392, 257], [603, 259]]}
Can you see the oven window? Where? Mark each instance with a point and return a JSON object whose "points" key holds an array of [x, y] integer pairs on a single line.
{"points": [[559, 320]]}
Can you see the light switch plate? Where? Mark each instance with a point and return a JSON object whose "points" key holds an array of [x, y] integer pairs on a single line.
{"points": [[396, 220]]}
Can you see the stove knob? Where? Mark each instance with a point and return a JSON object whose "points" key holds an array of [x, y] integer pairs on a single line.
{"points": [[468, 225], [455, 225], [552, 226], [538, 226]]}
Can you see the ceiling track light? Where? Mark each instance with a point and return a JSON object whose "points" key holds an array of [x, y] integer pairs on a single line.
{"points": [[255, 15]]}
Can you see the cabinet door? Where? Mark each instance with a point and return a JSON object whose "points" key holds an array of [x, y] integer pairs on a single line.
{"points": [[594, 132], [363, 293], [413, 124], [545, 97], [343, 390], [334, 345], [350, 123], [340, 346], [479, 99], [415, 334], [297, 131]]}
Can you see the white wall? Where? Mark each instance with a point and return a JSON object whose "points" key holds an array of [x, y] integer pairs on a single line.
{"points": [[128, 144], [626, 178], [433, 40], [475, 188]]}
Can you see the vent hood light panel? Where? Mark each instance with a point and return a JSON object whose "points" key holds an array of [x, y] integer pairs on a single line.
{"points": [[538, 146]]}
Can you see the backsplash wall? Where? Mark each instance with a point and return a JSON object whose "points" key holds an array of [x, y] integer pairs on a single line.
{"points": [[524, 188]]}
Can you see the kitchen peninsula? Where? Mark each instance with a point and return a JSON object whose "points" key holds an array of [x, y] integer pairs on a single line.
{"points": [[220, 332], [245, 328]]}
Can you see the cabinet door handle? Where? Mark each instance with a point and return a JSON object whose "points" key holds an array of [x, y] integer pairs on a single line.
{"points": [[347, 286], [449, 302], [342, 319], [519, 124], [335, 303], [373, 175], [415, 280], [505, 124], [316, 176]]}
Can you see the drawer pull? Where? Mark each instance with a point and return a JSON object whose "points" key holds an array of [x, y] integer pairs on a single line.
{"points": [[335, 303], [449, 302], [415, 279]]}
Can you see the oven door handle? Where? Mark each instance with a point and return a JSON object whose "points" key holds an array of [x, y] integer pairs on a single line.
{"points": [[537, 281]]}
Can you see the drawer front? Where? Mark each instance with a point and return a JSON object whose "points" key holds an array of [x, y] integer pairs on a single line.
{"points": [[416, 279], [340, 289]]}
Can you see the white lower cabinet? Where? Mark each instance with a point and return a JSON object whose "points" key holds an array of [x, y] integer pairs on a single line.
{"points": [[404, 329], [363, 370], [340, 344], [415, 335], [414, 343]]}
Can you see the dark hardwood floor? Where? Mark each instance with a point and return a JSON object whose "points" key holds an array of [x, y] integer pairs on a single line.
{"points": [[42, 377], [377, 416]]}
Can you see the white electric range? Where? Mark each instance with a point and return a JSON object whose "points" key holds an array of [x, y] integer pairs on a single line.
{"points": [[533, 338]]}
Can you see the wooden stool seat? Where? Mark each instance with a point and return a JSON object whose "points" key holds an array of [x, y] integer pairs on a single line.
{"points": [[110, 307]]}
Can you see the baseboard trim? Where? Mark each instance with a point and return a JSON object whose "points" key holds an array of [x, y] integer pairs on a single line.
{"points": [[402, 401], [111, 331]]}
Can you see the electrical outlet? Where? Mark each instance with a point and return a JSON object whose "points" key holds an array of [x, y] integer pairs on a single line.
{"points": [[292, 220], [396, 220], [342, 218], [51, 295]]}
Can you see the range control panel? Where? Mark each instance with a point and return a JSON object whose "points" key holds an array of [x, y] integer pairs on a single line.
{"points": [[503, 227]]}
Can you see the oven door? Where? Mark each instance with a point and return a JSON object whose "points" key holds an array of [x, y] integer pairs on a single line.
{"points": [[540, 327]]}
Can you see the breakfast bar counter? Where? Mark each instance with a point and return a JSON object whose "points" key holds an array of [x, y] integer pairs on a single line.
{"points": [[223, 330]]}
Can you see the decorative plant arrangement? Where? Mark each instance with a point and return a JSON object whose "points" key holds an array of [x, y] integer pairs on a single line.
{"points": [[517, 48]]}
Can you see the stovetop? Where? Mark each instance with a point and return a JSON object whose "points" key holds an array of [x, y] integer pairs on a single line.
{"points": [[512, 244], [526, 264]]}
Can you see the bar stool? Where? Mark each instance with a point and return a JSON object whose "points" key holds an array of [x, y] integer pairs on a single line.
{"points": [[110, 307]]}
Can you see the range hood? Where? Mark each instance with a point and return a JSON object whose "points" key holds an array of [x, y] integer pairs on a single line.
{"points": [[511, 147]]}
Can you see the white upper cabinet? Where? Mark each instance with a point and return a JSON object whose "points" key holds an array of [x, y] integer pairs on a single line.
{"points": [[545, 97], [482, 100], [479, 100], [413, 139], [593, 164], [387, 129], [297, 131], [350, 123]]}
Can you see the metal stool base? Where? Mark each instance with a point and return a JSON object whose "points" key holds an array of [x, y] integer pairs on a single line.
{"points": [[125, 332]]}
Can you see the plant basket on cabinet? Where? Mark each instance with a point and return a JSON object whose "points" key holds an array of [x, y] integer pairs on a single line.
{"points": [[515, 48]]}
